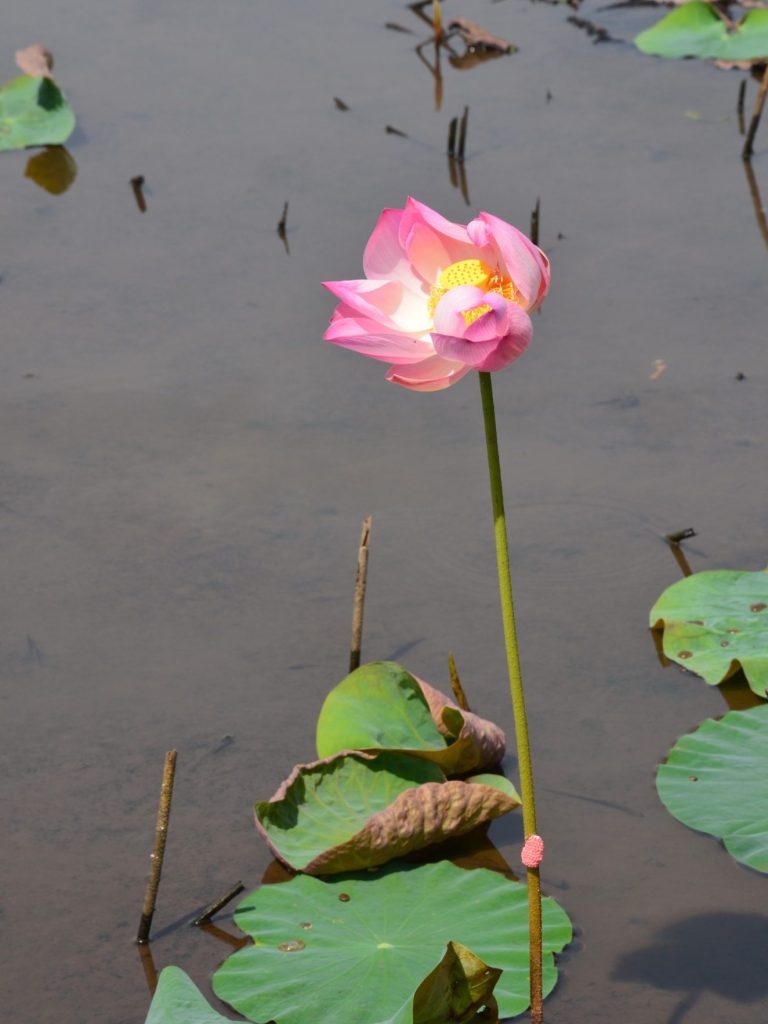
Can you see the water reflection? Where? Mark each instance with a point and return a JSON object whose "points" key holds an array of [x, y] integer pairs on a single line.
{"points": [[458, 175], [434, 68], [738, 695], [53, 169], [757, 201], [479, 46], [720, 952], [148, 965], [233, 941]]}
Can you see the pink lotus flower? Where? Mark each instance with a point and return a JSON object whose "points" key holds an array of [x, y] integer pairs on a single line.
{"points": [[440, 299]]}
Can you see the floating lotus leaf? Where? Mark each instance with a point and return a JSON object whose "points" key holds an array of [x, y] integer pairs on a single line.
{"points": [[177, 1000], [381, 706], [716, 780], [355, 811], [715, 623], [452, 993], [34, 112], [356, 947], [697, 30]]}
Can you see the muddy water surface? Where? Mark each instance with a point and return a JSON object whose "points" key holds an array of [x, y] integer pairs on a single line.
{"points": [[185, 465]]}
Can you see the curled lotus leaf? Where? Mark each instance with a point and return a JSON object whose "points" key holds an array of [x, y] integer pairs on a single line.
{"points": [[714, 780], [34, 112], [696, 30], [357, 947], [454, 992], [381, 706], [715, 623], [357, 810], [482, 743]]}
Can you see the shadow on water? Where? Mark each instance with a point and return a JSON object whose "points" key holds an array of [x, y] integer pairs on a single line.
{"points": [[719, 952]]}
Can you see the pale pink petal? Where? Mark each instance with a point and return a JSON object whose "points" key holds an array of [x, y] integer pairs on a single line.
{"points": [[449, 312], [426, 253], [523, 261], [492, 324], [509, 348], [370, 339], [433, 374], [454, 237], [384, 257], [386, 302], [492, 341], [479, 232], [471, 353], [415, 212], [533, 851]]}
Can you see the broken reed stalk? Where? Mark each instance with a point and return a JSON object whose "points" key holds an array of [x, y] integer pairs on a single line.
{"points": [[283, 222], [359, 605], [161, 834], [458, 689], [462, 135], [437, 20], [535, 222], [746, 153], [674, 539], [137, 184], [213, 908]]}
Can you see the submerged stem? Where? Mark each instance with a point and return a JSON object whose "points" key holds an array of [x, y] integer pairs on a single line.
{"points": [[516, 688]]}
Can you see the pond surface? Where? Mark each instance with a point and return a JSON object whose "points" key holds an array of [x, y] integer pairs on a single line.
{"points": [[185, 466]]}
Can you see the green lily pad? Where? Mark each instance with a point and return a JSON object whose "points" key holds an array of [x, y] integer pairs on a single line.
{"points": [[34, 112], [356, 811], [716, 780], [715, 623], [380, 706], [452, 993], [177, 1000], [355, 948], [696, 30]]}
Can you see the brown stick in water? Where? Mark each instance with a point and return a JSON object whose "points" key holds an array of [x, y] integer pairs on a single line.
{"points": [[158, 853], [213, 908], [359, 604], [746, 153]]}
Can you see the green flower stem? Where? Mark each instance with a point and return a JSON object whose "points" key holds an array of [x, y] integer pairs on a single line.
{"points": [[516, 688]]}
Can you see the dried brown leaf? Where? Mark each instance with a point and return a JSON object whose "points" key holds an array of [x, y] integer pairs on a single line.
{"points": [[476, 37], [35, 61]]}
